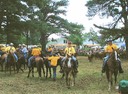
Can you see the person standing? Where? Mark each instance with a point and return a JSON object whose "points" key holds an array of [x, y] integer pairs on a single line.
{"points": [[53, 63], [123, 87]]}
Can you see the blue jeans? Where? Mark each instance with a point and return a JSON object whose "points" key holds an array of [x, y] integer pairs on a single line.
{"points": [[25, 55], [106, 59], [29, 60], [15, 56], [73, 58], [54, 72]]}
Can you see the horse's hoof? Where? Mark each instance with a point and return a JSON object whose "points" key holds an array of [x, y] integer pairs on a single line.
{"points": [[116, 87]]}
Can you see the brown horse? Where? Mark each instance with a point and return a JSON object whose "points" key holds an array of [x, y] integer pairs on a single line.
{"points": [[2, 60], [39, 64], [11, 62], [90, 57], [112, 67], [69, 72]]}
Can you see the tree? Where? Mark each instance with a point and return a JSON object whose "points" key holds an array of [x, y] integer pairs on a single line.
{"points": [[10, 18], [118, 10], [46, 14], [76, 35]]}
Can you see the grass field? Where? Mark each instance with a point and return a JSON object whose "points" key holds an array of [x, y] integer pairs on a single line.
{"points": [[87, 81]]}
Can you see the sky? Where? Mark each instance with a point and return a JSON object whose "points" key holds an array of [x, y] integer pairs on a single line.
{"points": [[77, 11]]}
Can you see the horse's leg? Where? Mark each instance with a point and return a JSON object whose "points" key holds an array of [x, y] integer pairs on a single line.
{"points": [[73, 75], [68, 80], [32, 70], [50, 72], [110, 81], [5, 68], [20, 67], [29, 71], [63, 75], [1, 63], [115, 75], [43, 70], [38, 65], [10, 69], [14, 65], [66, 76], [46, 72]]}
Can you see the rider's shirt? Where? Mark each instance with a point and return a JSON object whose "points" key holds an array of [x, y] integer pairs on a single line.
{"points": [[10, 49], [69, 51], [36, 52], [109, 48], [24, 50], [50, 49], [3, 49], [54, 60]]}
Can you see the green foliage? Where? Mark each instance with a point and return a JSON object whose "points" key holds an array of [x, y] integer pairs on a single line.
{"points": [[117, 9], [76, 35]]}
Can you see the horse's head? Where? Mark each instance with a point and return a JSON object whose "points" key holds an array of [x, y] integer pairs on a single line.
{"points": [[68, 62], [114, 54]]}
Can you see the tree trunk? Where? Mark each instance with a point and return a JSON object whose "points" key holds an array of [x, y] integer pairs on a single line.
{"points": [[43, 41], [126, 43]]}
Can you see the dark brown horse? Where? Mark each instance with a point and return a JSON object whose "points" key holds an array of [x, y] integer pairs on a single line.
{"points": [[112, 68], [21, 61], [2, 60], [69, 72], [39, 64], [11, 62], [90, 56]]}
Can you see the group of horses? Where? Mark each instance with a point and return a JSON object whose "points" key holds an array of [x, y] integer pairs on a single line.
{"points": [[69, 73], [7, 61], [41, 63]]}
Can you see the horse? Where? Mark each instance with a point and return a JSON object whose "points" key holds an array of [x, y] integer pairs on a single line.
{"points": [[69, 71], [48, 67], [10, 62], [112, 67], [39, 64], [90, 56], [2, 60], [21, 61]]}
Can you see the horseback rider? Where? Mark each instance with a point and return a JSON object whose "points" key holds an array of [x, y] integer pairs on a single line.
{"points": [[35, 53], [50, 50], [70, 51], [109, 49], [11, 49], [25, 51]]}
